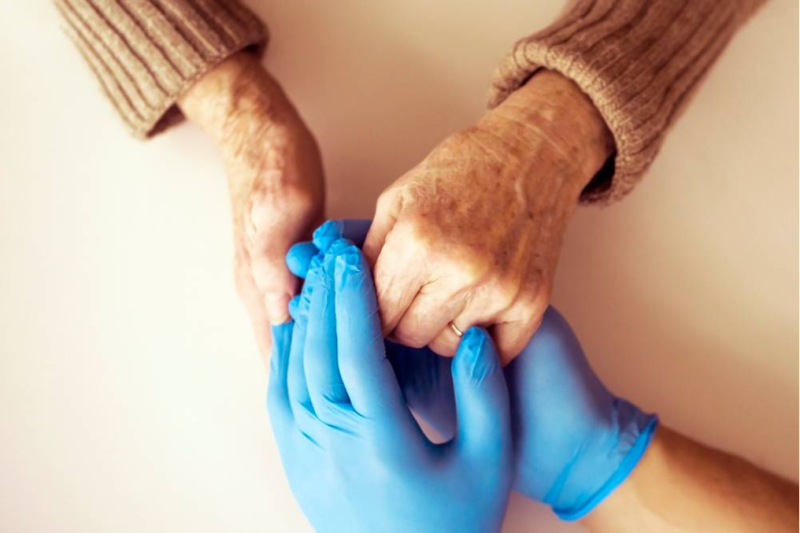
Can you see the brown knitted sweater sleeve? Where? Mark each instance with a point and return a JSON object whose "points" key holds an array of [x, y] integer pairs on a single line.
{"points": [[638, 60], [146, 53]]}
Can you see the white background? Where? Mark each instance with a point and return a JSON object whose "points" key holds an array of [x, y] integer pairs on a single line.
{"points": [[131, 392]]}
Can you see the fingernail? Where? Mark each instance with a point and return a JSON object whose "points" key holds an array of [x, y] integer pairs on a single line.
{"points": [[277, 308]]}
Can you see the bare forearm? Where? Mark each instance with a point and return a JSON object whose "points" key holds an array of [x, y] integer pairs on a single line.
{"points": [[682, 485]]}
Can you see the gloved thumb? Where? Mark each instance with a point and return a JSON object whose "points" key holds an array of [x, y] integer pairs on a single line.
{"points": [[482, 405]]}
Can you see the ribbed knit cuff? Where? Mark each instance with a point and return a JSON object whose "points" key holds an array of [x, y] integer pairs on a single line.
{"points": [[639, 62], [146, 53]]}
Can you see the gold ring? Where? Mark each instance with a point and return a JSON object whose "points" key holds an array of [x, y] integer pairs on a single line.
{"points": [[457, 331]]}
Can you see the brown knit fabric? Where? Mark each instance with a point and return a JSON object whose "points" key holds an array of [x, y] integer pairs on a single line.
{"points": [[146, 53], [638, 60]]}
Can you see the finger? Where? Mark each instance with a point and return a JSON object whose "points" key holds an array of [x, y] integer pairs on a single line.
{"points": [[278, 285], [364, 367], [447, 341], [294, 307], [353, 229], [280, 411], [386, 212], [325, 386], [253, 304], [515, 328], [299, 256], [427, 385], [482, 406], [475, 314], [429, 313], [299, 399], [400, 272]]}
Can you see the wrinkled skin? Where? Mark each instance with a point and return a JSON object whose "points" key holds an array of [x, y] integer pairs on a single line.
{"points": [[275, 177], [472, 234]]}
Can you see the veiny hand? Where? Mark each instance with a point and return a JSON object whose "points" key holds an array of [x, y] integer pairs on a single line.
{"points": [[471, 235], [355, 458], [275, 176]]}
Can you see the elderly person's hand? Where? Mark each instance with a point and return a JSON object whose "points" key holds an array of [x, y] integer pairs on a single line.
{"points": [[275, 176], [471, 235]]}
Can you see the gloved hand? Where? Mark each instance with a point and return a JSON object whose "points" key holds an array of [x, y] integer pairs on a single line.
{"points": [[424, 377], [574, 441], [355, 457]]}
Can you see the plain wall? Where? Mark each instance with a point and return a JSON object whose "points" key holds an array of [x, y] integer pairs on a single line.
{"points": [[131, 392]]}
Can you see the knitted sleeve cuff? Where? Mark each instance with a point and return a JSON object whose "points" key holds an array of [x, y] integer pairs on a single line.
{"points": [[638, 60], [146, 53]]}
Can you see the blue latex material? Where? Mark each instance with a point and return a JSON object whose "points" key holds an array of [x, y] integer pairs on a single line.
{"points": [[355, 458], [574, 441]]}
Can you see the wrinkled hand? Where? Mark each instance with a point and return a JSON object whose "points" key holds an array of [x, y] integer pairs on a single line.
{"points": [[275, 178], [472, 234], [355, 458]]}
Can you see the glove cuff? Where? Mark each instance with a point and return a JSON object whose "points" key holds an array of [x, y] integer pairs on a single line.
{"points": [[648, 424]]}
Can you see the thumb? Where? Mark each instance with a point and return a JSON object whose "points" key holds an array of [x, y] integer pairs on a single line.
{"points": [[386, 212], [482, 406], [276, 283]]}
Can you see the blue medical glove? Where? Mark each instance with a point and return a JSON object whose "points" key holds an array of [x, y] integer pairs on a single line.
{"points": [[424, 377], [575, 442], [355, 457]]}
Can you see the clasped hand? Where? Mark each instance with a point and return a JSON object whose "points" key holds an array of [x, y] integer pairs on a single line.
{"points": [[356, 459], [354, 455]]}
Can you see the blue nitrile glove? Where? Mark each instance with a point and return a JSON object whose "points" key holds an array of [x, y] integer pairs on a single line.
{"points": [[574, 441], [424, 376], [355, 457]]}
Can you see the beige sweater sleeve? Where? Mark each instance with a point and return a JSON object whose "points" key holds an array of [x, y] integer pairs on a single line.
{"points": [[146, 53], [638, 60]]}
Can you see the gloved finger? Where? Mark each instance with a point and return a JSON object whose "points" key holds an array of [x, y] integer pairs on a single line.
{"points": [[294, 307], [325, 386], [364, 367], [427, 384], [482, 406], [431, 311], [299, 256], [387, 210], [280, 411], [299, 399], [352, 229]]}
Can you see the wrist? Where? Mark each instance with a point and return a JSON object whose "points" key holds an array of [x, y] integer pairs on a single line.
{"points": [[236, 100], [551, 107]]}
